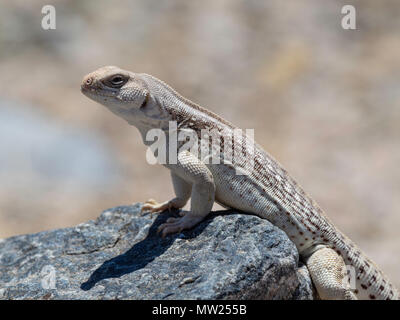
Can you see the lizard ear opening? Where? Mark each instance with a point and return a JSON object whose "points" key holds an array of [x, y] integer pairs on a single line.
{"points": [[145, 101]]}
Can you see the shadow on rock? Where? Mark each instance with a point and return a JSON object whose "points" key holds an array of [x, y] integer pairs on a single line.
{"points": [[142, 252]]}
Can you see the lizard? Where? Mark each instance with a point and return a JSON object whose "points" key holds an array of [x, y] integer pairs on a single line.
{"points": [[267, 190]]}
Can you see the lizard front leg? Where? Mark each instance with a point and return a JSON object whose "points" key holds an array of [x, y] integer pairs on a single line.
{"points": [[182, 191], [196, 174]]}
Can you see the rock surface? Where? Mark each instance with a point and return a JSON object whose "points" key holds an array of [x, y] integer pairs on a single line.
{"points": [[120, 256]]}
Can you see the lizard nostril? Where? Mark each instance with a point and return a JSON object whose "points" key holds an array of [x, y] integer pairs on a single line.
{"points": [[87, 83]]}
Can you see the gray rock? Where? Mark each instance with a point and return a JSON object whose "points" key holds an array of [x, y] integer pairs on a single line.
{"points": [[120, 256]]}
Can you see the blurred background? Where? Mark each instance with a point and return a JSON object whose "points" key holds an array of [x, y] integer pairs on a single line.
{"points": [[324, 101]]}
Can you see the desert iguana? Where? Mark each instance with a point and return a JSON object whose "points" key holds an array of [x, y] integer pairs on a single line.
{"points": [[264, 189]]}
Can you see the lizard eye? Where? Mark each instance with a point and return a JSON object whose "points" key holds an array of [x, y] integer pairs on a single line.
{"points": [[116, 81]]}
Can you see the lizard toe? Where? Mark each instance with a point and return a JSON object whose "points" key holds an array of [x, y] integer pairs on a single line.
{"points": [[151, 206], [176, 225]]}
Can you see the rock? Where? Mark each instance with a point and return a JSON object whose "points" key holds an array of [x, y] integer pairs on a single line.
{"points": [[120, 256]]}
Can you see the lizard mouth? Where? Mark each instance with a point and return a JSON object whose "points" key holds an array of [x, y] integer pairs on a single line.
{"points": [[90, 91], [92, 88]]}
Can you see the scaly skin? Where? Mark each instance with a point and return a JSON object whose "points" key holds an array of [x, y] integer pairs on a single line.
{"points": [[266, 189]]}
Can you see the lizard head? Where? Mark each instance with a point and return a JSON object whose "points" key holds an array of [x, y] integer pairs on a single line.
{"points": [[114, 88], [124, 93]]}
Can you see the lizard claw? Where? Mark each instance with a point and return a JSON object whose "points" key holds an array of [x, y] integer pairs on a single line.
{"points": [[151, 206], [176, 225]]}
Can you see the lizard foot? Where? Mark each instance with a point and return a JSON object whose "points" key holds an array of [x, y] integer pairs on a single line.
{"points": [[151, 206], [176, 225]]}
